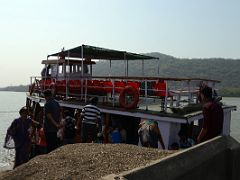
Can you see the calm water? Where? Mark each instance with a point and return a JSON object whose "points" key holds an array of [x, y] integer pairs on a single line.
{"points": [[11, 102]]}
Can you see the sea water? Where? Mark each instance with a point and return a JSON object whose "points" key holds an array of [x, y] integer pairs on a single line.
{"points": [[11, 102]]}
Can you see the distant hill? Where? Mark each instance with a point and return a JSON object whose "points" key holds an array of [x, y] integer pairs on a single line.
{"points": [[20, 88], [225, 70]]}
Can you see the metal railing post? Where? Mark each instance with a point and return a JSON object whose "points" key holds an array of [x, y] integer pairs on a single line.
{"points": [[166, 96], [146, 103], [86, 90], [113, 93]]}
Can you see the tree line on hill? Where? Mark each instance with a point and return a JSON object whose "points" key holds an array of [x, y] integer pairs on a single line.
{"points": [[20, 88], [224, 70]]}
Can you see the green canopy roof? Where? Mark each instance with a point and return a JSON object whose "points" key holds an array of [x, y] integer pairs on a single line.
{"points": [[100, 53]]}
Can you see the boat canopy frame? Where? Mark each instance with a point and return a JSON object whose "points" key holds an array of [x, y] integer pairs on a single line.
{"points": [[93, 52], [87, 52]]}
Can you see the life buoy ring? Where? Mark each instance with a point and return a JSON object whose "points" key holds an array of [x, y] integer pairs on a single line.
{"points": [[31, 89], [129, 91]]}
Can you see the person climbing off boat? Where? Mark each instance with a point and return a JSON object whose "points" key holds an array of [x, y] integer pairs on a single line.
{"points": [[20, 132]]}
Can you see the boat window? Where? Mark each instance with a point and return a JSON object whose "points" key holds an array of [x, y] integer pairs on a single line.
{"points": [[85, 69], [79, 68], [54, 69], [76, 68], [49, 70], [67, 69], [60, 69], [196, 123], [73, 68]]}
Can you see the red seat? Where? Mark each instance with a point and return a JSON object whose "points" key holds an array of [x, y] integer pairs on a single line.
{"points": [[107, 85], [61, 86], [118, 86], [72, 83], [134, 84], [46, 83], [77, 84], [160, 89], [72, 86], [89, 85]]}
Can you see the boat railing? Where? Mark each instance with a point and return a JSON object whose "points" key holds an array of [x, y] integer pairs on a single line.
{"points": [[166, 92]]}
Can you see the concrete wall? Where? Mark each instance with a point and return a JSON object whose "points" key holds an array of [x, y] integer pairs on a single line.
{"points": [[217, 159]]}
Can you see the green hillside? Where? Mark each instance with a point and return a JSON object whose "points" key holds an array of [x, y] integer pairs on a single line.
{"points": [[225, 70]]}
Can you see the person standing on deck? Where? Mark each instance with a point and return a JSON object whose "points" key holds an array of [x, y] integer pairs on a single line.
{"points": [[91, 121], [212, 116], [51, 123]]}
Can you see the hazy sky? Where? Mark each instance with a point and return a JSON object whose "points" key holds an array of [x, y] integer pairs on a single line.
{"points": [[31, 29]]}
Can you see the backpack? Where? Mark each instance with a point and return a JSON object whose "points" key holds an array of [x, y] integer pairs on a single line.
{"points": [[69, 127]]}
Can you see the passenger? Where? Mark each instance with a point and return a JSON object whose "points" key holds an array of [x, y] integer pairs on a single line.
{"points": [[185, 141], [78, 125], [85, 68], [20, 132], [123, 133], [212, 115], [100, 138], [52, 121], [60, 132], [69, 129], [150, 134], [34, 139], [91, 121], [201, 86], [42, 145], [115, 136]]}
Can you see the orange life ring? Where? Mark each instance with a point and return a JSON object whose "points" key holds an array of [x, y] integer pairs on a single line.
{"points": [[129, 91], [31, 89]]}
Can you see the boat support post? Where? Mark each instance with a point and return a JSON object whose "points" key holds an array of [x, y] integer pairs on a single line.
{"points": [[166, 96], [146, 94]]}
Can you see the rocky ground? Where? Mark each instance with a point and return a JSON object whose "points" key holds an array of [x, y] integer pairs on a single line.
{"points": [[85, 161]]}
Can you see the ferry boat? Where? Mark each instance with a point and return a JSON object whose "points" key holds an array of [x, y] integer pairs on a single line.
{"points": [[127, 100]]}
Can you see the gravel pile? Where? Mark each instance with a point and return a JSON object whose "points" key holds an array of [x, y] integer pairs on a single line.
{"points": [[85, 161]]}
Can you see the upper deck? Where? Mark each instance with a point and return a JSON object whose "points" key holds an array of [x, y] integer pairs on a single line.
{"points": [[69, 75]]}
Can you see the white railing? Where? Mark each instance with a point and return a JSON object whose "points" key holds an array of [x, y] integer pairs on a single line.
{"points": [[168, 92]]}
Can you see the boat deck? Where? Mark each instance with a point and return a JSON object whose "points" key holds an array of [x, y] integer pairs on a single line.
{"points": [[179, 115]]}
